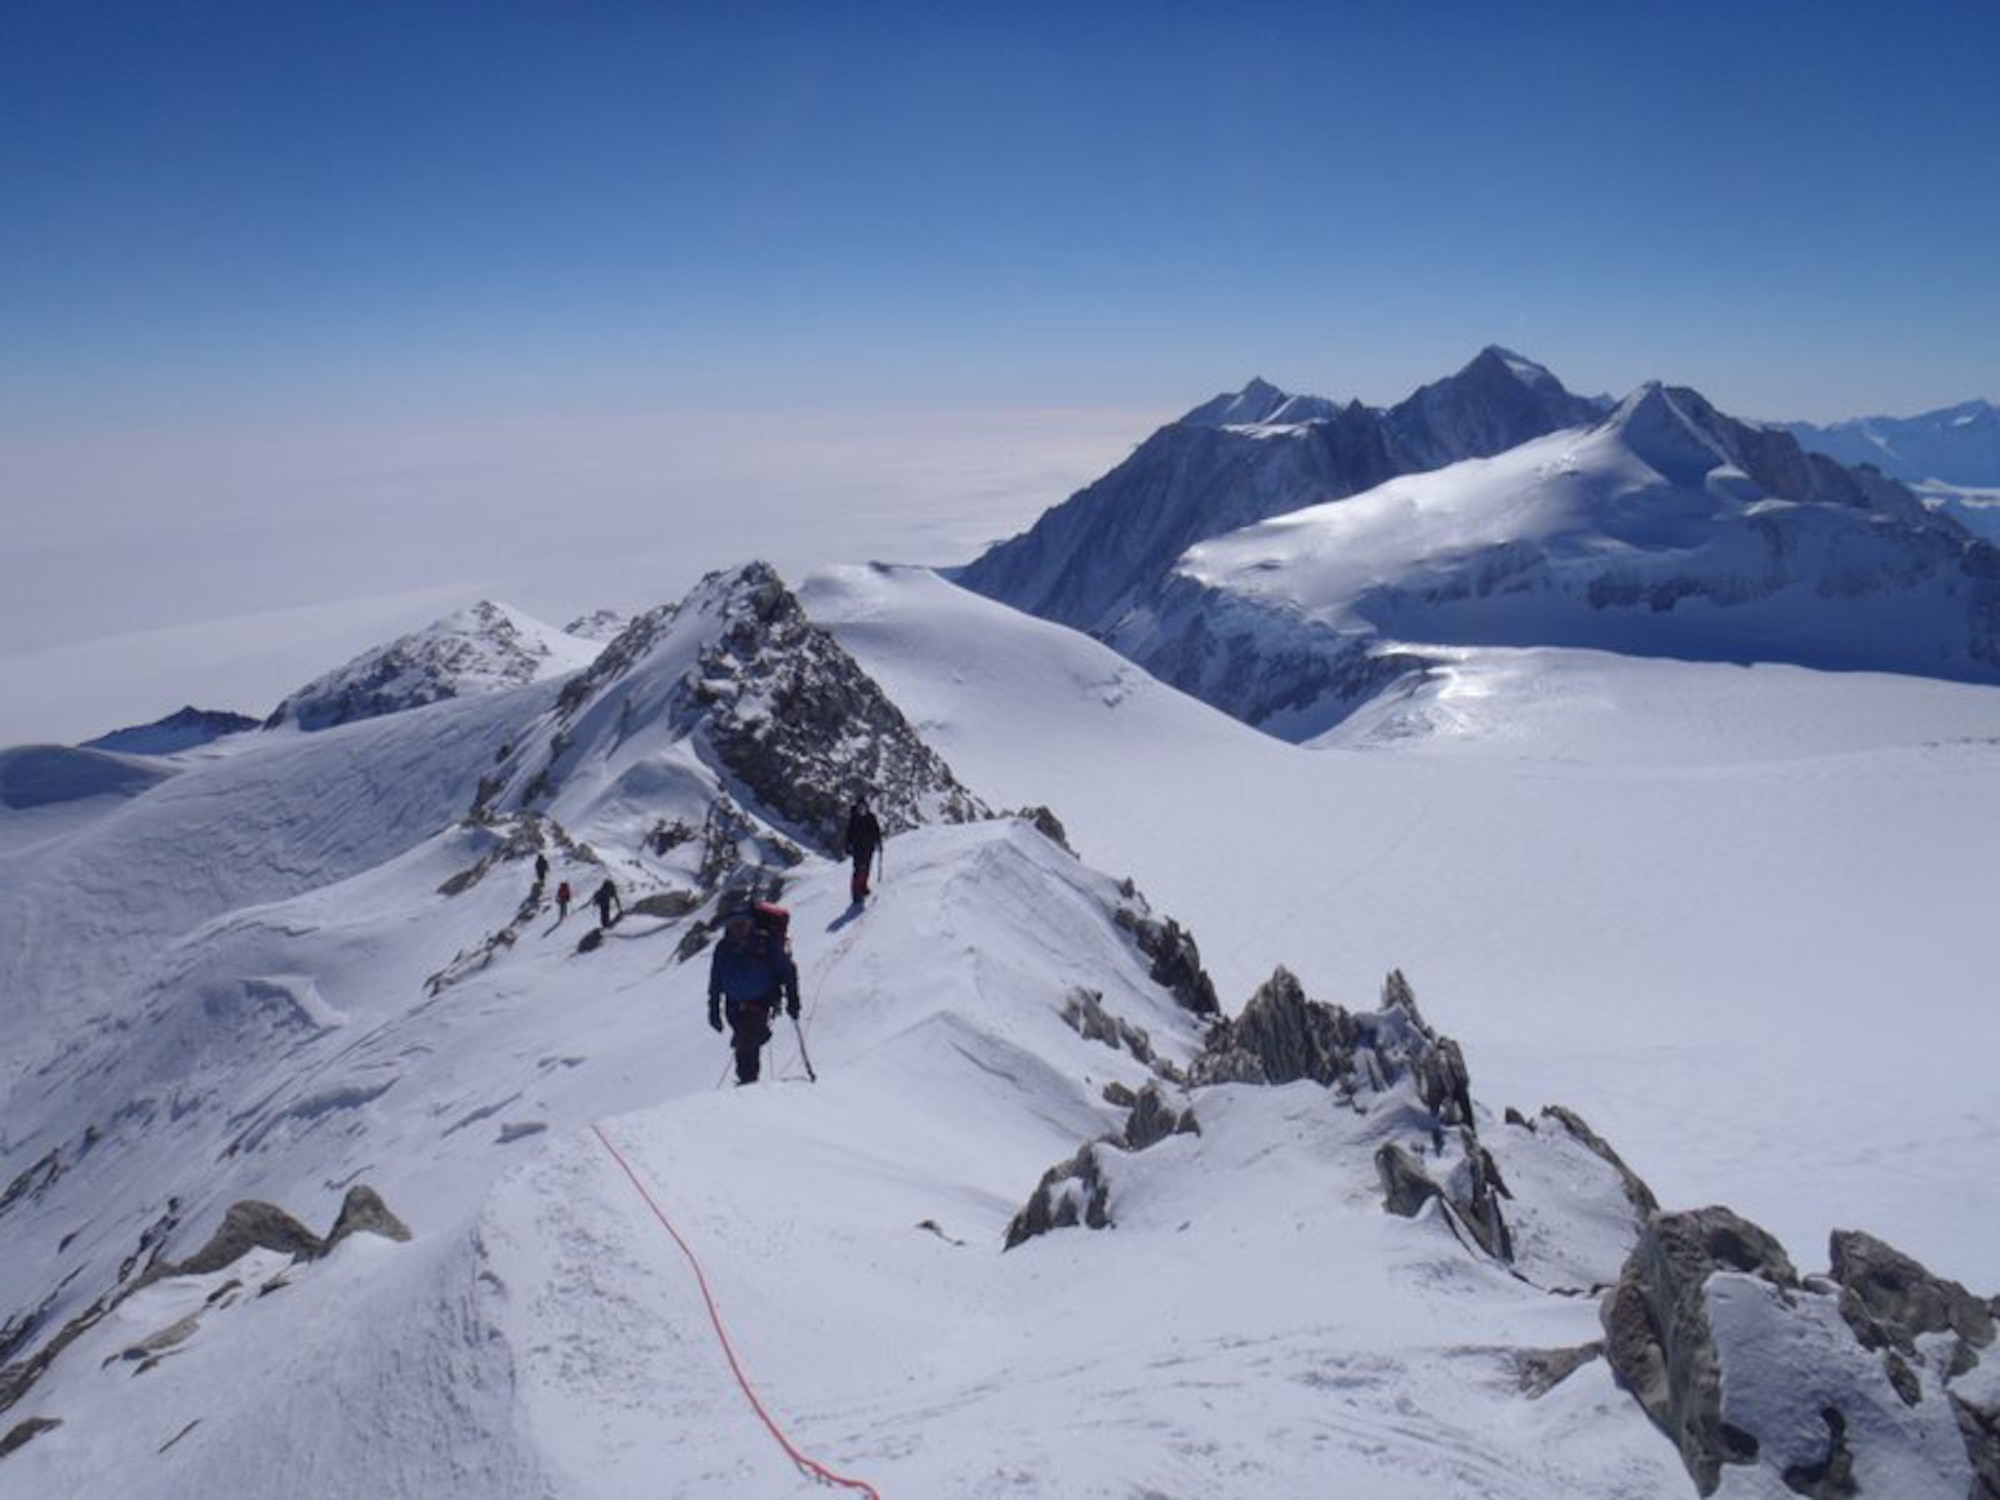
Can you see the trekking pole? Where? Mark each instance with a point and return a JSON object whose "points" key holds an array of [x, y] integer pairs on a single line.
{"points": [[811, 1076]]}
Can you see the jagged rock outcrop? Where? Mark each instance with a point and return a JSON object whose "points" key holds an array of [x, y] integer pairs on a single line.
{"points": [[1890, 1299], [803, 728], [1280, 1036], [1071, 1192], [247, 1225], [773, 704], [362, 1211], [483, 648], [1176, 959], [1153, 1119], [1657, 1333], [1468, 1185], [1851, 1384], [1083, 1010], [1048, 825]]}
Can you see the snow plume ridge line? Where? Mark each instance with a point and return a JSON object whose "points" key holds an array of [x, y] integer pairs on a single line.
{"points": [[811, 1468]]}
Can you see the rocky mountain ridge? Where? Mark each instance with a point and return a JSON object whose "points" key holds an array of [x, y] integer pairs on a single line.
{"points": [[1666, 529], [1243, 457], [483, 648]]}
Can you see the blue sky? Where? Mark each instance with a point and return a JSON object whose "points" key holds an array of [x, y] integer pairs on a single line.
{"points": [[319, 320], [228, 213]]}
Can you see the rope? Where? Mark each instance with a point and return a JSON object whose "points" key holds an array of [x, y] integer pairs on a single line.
{"points": [[809, 1467]]}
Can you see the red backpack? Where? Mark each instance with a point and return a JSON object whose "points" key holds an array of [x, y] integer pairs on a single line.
{"points": [[775, 922]]}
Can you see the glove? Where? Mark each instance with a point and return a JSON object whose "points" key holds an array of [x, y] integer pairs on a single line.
{"points": [[792, 1010], [714, 1018]]}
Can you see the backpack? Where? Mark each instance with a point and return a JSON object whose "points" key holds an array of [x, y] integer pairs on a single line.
{"points": [[774, 924]]}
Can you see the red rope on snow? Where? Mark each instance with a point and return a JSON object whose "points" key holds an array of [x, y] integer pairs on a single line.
{"points": [[811, 1467]]}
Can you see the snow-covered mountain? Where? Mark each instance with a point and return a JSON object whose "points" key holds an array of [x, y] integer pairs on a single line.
{"points": [[187, 729], [1240, 458], [335, 1162], [1958, 445], [481, 649], [1667, 529]]}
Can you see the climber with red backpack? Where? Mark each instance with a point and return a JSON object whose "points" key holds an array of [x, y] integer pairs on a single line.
{"points": [[750, 974]]}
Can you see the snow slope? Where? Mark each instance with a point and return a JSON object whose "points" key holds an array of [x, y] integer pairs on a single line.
{"points": [[1733, 915], [321, 962]]}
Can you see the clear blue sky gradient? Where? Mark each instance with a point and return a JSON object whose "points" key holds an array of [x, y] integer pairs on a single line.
{"points": [[226, 213]]}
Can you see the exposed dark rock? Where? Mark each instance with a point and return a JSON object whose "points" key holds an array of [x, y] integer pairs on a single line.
{"points": [[1657, 1336], [1542, 1370], [1470, 1192], [1069, 1193], [1980, 1428], [1894, 1298], [154, 1344], [1153, 1119], [1280, 1037], [32, 1181], [476, 650], [670, 905], [1084, 1011], [1176, 960], [1048, 825], [22, 1433], [363, 1211], [248, 1226], [1406, 1187], [794, 719]]}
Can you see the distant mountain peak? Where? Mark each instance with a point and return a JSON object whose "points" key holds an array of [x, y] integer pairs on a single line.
{"points": [[183, 730], [1528, 372], [484, 647], [1260, 404], [1669, 430]]}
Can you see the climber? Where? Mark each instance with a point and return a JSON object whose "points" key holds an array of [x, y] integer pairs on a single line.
{"points": [[864, 842], [562, 901], [747, 978], [541, 870], [606, 898]]}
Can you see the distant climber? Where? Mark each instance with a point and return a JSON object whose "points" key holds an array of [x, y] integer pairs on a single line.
{"points": [[864, 842], [562, 901], [747, 978], [606, 898], [541, 870]]}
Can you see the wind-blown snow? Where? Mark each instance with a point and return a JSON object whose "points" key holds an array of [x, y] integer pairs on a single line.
{"points": [[1733, 915]]}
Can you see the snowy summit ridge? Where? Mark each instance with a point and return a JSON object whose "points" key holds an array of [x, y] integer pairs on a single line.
{"points": [[324, 1109], [1243, 457]]}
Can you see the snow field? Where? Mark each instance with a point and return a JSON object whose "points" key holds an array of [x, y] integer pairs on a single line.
{"points": [[1735, 917]]}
